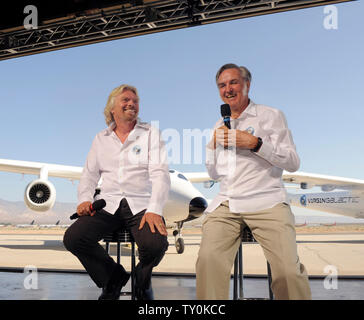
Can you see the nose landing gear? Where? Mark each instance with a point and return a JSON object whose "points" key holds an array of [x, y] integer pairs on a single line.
{"points": [[178, 240]]}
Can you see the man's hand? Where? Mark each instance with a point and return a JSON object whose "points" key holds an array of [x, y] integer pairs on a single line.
{"points": [[235, 138], [219, 132], [154, 220], [84, 209], [245, 140]]}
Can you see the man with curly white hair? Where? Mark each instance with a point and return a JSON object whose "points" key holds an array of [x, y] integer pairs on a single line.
{"points": [[128, 163]]}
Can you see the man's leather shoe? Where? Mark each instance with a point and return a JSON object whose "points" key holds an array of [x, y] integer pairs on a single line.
{"points": [[118, 279], [144, 294]]}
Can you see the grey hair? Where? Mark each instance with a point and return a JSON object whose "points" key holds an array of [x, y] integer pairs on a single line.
{"points": [[110, 101], [244, 72]]}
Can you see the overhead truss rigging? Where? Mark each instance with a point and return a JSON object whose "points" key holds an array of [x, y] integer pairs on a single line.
{"points": [[136, 18]]}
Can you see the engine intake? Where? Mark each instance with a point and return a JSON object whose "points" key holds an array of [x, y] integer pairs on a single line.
{"points": [[40, 195]]}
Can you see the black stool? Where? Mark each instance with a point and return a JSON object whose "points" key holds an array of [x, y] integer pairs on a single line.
{"points": [[246, 237], [123, 236]]}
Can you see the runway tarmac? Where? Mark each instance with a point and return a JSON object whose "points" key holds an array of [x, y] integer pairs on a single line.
{"points": [[316, 252], [330, 259]]}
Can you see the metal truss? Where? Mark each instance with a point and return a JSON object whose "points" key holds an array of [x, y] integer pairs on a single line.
{"points": [[132, 20]]}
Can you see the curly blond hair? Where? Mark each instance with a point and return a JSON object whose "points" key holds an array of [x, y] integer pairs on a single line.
{"points": [[110, 101]]}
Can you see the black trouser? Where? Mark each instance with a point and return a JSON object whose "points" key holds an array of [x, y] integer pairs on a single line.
{"points": [[83, 236]]}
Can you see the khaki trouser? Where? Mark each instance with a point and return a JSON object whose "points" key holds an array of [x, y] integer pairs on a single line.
{"points": [[273, 228]]}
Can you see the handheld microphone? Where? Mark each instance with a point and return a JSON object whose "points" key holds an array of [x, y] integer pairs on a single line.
{"points": [[226, 113], [97, 205]]}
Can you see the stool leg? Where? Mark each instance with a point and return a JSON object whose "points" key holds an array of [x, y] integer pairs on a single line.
{"points": [[107, 247], [133, 270], [118, 252], [241, 291], [235, 279], [269, 281]]}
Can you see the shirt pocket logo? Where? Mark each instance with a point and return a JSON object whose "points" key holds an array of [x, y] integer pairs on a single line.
{"points": [[250, 130], [137, 149]]}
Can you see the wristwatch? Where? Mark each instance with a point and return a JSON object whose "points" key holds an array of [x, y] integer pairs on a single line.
{"points": [[259, 144]]}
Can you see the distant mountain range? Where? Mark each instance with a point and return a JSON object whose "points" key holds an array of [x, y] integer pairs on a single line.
{"points": [[16, 212]]}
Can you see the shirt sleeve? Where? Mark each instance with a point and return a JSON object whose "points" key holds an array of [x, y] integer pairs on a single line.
{"points": [[211, 161], [158, 173], [278, 147], [90, 175], [212, 158]]}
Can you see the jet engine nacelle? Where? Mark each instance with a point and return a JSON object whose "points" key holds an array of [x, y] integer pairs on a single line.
{"points": [[40, 195]]}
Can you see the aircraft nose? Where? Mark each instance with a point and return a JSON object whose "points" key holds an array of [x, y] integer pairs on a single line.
{"points": [[197, 206]]}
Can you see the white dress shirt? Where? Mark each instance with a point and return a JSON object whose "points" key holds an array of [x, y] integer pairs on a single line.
{"points": [[252, 181], [136, 170]]}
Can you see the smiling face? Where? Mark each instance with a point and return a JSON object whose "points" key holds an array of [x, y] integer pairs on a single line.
{"points": [[233, 89], [126, 107]]}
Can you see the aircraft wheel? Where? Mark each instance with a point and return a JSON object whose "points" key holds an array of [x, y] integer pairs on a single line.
{"points": [[180, 245]]}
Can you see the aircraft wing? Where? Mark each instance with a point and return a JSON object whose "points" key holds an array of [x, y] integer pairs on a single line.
{"points": [[71, 172], [196, 177], [303, 179], [52, 170], [327, 183]]}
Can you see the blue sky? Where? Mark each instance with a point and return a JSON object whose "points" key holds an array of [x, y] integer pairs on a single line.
{"points": [[52, 103]]}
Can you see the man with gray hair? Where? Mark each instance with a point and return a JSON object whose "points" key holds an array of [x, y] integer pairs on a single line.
{"points": [[251, 193], [128, 163]]}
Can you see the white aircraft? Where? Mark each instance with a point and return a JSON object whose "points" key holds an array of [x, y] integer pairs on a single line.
{"points": [[347, 201], [30, 225], [186, 203], [50, 225]]}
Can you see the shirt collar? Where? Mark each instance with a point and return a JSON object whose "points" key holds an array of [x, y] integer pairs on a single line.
{"points": [[251, 109], [109, 130]]}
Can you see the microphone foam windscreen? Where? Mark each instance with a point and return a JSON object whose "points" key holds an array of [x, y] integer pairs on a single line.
{"points": [[225, 110], [98, 204]]}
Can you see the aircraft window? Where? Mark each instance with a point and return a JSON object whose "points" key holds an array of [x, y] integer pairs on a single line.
{"points": [[182, 176], [171, 171]]}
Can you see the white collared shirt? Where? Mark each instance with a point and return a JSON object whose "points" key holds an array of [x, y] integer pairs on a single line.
{"points": [[136, 170], [252, 181]]}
